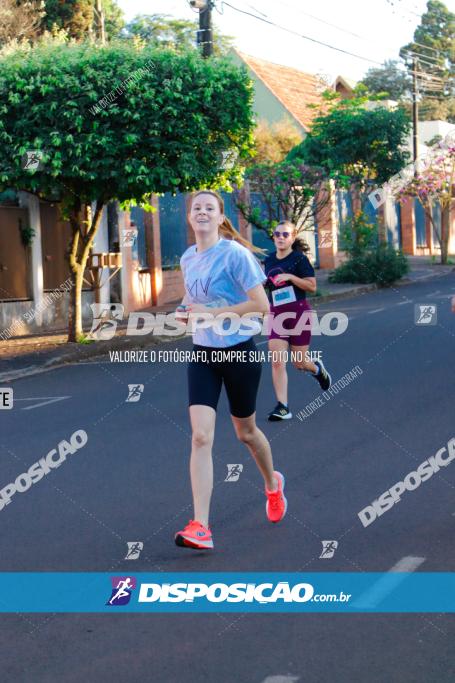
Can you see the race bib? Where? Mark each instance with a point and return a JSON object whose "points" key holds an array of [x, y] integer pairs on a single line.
{"points": [[284, 295]]}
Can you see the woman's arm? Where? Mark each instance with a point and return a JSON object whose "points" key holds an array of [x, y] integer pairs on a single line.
{"points": [[308, 284]]}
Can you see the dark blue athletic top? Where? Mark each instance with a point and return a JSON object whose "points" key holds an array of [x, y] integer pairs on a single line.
{"points": [[295, 263]]}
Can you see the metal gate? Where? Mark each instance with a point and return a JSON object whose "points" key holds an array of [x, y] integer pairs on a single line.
{"points": [[14, 257], [419, 215]]}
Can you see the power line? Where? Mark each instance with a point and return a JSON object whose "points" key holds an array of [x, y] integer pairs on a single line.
{"points": [[301, 35], [312, 16], [339, 28], [430, 60], [427, 47]]}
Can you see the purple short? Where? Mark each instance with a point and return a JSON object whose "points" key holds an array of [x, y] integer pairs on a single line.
{"points": [[301, 319]]}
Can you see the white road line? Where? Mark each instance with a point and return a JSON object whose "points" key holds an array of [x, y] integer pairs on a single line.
{"points": [[386, 585], [403, 303], [287, 678], [376, 310], [43, 401], [438, 291]]}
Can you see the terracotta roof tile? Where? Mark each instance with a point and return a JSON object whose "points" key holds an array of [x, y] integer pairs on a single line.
{"points": [[295, 89]]}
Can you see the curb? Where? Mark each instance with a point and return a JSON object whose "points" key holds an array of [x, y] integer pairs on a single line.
{"points": [[80, 352], [100, 348], [347, 294]]}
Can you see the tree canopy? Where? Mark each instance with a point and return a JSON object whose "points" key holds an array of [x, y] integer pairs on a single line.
{"points": [[162, 30], [433, 49], [117, 122], [388, 79], [356, 144]]}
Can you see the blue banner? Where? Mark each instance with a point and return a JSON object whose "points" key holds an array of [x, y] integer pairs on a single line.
{"points": [[227, 592]]}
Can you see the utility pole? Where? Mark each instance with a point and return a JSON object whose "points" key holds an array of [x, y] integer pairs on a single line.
{"points": [[415, 114], [205, 34]]}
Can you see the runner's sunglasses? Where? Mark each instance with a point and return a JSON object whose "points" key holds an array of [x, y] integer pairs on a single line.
{"points": [[285, 234]]}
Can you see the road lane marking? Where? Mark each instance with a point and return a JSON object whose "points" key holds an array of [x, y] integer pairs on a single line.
{"points": [[385, 585], [402, 303], [43, 401], [287, 678], [376, 310]]}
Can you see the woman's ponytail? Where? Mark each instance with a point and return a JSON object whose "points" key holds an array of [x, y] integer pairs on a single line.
{"points": [[228, 231], [299, 243]]}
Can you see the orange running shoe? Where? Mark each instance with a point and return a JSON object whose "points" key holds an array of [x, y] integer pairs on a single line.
{"points": [[277, 504], [194, 535]]}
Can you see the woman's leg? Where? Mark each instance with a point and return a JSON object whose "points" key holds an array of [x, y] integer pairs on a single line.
{"points": [[201, 465], [279, 347], [299, 354], [242, 383], [249, 433]]}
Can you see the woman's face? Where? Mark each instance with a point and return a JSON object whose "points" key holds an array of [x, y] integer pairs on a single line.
{"points": [[283, 236], [205, 215]]}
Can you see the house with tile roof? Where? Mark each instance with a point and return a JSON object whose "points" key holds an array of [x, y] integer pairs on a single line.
{"points": [[281, 91]]}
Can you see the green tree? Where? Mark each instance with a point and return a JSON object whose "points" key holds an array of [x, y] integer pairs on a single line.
{"points": [[355, 144], [76, 17], [117, 122], [433, 49], [388, 79], [162, 30], [114, 20]]}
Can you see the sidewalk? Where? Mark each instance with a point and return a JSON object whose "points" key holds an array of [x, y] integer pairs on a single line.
{"points": [[28, 355]]}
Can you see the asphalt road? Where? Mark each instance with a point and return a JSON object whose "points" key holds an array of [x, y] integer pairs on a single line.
{"points": [[130, 483]]}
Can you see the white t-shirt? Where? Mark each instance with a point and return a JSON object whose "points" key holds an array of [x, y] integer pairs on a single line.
{"points": [[220, 276]]}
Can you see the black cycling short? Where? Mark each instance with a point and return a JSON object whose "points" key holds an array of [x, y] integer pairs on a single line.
{"points": [[240, 377]]}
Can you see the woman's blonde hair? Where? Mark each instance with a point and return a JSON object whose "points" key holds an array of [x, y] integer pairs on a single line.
{"points": [[299, 243], [226, 228]]}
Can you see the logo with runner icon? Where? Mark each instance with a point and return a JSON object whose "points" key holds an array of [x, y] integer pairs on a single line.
{"points": [[105, 320], [328, 549], [425, 314], [122, 587], [234, 472]]}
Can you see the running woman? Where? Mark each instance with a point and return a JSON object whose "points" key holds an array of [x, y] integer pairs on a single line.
{"points": [[217, 270], [290, 276]]}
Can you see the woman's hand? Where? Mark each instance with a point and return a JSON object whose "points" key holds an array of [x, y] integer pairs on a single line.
{"points": [[281, 278], [198, 308]]}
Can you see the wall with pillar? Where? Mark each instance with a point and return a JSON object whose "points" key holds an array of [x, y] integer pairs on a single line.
{"points": [[327, 226], [408, 232]]}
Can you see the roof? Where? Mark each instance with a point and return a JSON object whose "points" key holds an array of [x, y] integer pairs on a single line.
{"points": [[348, 83], [293, 88]]}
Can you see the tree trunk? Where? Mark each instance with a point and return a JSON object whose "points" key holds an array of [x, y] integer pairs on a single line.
{"points": [[81, 244], [75, 307], [445, 233]]}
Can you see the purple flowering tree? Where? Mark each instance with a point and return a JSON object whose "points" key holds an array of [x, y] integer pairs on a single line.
{"points": [[432, 186], [289, 190]]}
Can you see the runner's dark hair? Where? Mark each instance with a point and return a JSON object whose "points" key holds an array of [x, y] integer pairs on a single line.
{"points": [[299, 243]]}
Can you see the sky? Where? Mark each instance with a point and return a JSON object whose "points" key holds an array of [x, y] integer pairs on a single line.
{"points": [[373, 30]]}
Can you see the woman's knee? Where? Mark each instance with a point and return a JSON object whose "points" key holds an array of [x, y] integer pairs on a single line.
{"points": [[246, 434], [202, 437], [278, 365]]}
